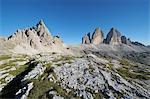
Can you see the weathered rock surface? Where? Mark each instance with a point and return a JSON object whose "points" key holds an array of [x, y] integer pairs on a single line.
{"points": [[86, 39], [113, 37], [124, 40], [58, 41], [97, 37], [91, 76], [94, 77], [34, 40]]}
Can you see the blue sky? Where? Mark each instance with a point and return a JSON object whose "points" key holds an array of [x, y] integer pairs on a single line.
{"points": [[71, 19]]}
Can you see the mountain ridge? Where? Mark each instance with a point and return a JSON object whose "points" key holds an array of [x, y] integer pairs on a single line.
{"points": [[35, 39], [37, 65]]}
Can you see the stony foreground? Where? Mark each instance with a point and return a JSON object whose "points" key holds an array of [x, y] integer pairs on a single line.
{"points": [[57, 76]]}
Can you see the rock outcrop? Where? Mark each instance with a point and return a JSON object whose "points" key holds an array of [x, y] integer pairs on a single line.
{"points": [[35, 39], [58, 41], [86, 39], [138, 44], [97, 37], [113, 37], [44, 34], [124, 40], [35, 36]]}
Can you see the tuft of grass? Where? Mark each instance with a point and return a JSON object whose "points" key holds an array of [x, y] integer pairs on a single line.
{"points": [[110, 66], [63, 58], [126, 73], [69, 62], [41, 87], [2, 80], [124, 62], [10, 64], [48, 64], [98, 95], [17, 60], [18, 70], [4, 57]]}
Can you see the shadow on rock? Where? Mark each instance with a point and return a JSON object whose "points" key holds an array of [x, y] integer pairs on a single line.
{"points": [[13, 86]]}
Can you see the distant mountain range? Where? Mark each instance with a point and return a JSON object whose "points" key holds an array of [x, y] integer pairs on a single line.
{"points": [[38, 39], [114, 37], [36, 65]]}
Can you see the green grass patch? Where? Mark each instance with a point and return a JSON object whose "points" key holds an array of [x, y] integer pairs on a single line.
{"points": [[126, 73], [17, 60], [18, 70], [98, 95], [23, 56], [48, 64], [42, 86], [64, 58], [10, 64], [4, 57], [69, 62], [124, 62], [2, 80], [109, 65]]}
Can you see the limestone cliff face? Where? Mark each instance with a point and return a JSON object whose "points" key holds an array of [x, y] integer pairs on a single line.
{"points": [[38, 38], [113, 37], [86, 39], [58, 41], [44, 34], [97, 37]]}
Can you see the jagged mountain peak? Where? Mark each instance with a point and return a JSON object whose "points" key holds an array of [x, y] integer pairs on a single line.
{"points": [[114, 31], [42, 28], [97, 29], [113, 37], [97, 36], [37, 38], [41, 22]]}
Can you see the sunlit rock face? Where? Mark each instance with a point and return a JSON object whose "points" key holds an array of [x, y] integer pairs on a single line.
{"points": [[35, 37], [33, 40], [97, 37]]}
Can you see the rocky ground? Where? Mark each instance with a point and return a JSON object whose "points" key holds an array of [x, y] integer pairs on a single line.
{"points": [[36, 65], [58, 76]]}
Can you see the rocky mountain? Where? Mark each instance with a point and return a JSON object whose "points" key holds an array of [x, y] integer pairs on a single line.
{"points": [[124, 40], [33, 40], [113, 37], [111, 68], [86, 39], [97, 37]]}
